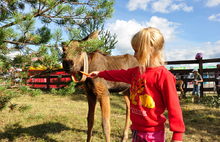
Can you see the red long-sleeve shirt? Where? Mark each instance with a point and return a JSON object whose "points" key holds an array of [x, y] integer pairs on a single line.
{"points": [[151, 93]]}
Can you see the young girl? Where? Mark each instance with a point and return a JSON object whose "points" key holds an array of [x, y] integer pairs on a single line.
{"points": [[152, 90]]}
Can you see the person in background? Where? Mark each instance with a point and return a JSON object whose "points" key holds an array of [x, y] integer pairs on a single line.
{"points": [[196, 84], [153, 90]]}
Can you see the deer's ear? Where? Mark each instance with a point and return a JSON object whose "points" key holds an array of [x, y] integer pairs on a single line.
{"points": [[93, 35]]}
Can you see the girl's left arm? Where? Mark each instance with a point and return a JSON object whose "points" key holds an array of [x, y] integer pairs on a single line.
{"points": [[171, 101], [117, 75]]}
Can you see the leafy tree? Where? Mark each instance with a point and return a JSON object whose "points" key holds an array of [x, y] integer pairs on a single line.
{"points": [[109, 40], [36, 28]]}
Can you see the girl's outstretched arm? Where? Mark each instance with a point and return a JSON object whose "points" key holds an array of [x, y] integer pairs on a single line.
{"points": [[93, 74], [114, 75]]}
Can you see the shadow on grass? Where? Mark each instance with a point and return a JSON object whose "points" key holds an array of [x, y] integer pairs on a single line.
{"points": [[118, 102], [94, 132], [80, 95], [204, 122], [37, 131]]}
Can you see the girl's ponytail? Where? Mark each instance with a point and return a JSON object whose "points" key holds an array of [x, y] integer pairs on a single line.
{"points": [[149, 42]]}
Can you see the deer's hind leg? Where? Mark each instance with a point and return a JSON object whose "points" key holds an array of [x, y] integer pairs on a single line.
{"points": [[105, 108], [126, 95], [181, 89], [103, 97]]}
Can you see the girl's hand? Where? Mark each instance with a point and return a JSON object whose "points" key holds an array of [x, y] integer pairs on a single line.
{"points": [[93, 74], [175, 141]]}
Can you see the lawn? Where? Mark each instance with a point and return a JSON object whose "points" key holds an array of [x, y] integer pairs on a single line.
{"points": [[57, 118]]}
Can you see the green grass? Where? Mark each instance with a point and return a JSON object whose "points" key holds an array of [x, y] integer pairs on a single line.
{"points": [[58, 118]]}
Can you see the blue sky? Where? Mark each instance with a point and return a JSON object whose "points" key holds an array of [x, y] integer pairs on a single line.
{"points": [[188, 26]]}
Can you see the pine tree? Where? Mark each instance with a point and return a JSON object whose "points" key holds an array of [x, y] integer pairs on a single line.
{"points": [[108, 39], [36, 28]]}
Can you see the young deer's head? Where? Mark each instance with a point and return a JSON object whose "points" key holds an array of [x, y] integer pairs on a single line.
{"points": [[73, 55]]}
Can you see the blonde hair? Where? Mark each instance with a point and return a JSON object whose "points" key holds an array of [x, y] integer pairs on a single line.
{"points": [[149, 43]]}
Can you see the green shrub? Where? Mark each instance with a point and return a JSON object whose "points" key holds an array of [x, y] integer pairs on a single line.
{"points": [[211, 101], [24, 108], [35, 92], [25, 89], [5, 96], [68, 90]]}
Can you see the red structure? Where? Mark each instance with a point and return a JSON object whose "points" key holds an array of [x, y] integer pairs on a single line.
{"points": [[54, 79]]}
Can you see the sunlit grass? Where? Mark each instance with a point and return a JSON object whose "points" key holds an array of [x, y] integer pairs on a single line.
{"points": [[48, 117]]}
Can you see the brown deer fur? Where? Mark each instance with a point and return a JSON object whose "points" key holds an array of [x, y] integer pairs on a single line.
{"points": [[179, 84], [100, 89]]}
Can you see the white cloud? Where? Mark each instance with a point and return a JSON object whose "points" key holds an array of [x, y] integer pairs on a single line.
{"points": [[11, 55], [207, 43], [126, 29], [182, 49], [167, 6], [186, 8], [134, 4], [211, 51], [174, 53], [163, 6], [217, 42], [176, 49], [214, 17], [212, 3], [178, 54], [166, 28]]}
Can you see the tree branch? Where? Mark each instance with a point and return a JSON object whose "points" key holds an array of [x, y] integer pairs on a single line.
{"points": [[20, 43], [72, 17], [40, 12], [36, 15], [87, 3]]}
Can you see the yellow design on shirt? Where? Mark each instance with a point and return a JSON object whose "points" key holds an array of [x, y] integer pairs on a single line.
{"points": [[132, 98], [138, 87], [147, 101]]}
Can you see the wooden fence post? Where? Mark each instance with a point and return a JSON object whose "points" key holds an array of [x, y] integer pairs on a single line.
{"points": [[48, 82], [201, 73]]}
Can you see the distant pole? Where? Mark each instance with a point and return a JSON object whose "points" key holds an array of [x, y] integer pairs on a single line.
{"points": [[48, 82], [199, 58], [201, 73]]}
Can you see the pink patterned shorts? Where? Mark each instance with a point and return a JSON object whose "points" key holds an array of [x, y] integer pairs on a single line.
{"points": [[158, 136]]}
